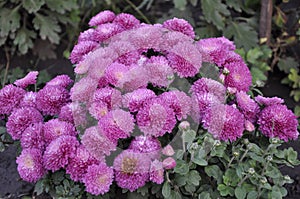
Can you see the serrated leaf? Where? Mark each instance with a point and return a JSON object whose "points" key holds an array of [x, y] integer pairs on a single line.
{"points": [[225, 190], [213, 11], [194, 177], [61, 6], [33, 5], [24, 40], [215, 172], [9, 21], [240, 193], [180, 4], [48, 27], [166, 189], [243, 35], [39, 187], [286, 64], [181, 167], [235, 4]]}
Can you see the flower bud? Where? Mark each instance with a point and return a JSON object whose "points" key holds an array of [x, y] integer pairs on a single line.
{"points": [[269, 158], [185, 125], [263, 180], [246, 141], [169, 163], [236, 154], [217, 143], [194, 146], [249, 146], [287, 178], [168, 150], [251, 171], [274, 140], [249, 126]]}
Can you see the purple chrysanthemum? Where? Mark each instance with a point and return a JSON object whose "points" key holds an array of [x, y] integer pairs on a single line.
{"points": [[30, 165], [29, 79], [277, 121], [136, 99], [129, 58], [110, 96], [55, 128], [83, 90], [115, 73], [135, 78], [180, 25], [78, 165], [157, 172], [33, 137], [117, 124], [59, 152], [81, 49], [181, 66], [29, 100], [126, 21], [50, 99], [98, 109], [105, 16], [268, 101], [248, 106], [98, 179], [148, 145], [131, 169], [87, 35], [20, 119], [10, 97], [60, 80], [96, 142], [105, 31], [224, 122]]}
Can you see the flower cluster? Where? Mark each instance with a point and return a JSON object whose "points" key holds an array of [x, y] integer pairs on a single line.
{"points": [[127, 69]]}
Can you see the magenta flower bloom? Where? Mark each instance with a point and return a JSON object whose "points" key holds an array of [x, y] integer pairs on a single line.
{"points": [[131, 169], [126, 21], [10, 97], [277, 121], [30, 165], [169, 163], [103, 17], [110, 96], [59, 152], [98, 179], [224, 122], [117, 124], [60, 80], [115, 74], [33, 137], [81, 49], [50, 99], [96, 142], [87, 35], [136, 99], [248, 106], [105, 31], [29, 100], [268, 101], [78, 165], [168, 150], [148, 145], [181, 66], [180, 25], [20, 119], [157, 172], [55, 128], [129, 58], [98, 109], [29, 79], [135, 78], [83, 90]]}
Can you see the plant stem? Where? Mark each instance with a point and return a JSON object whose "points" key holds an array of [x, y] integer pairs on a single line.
{"points": [[7, 66], [244, 155], [138, 11]]}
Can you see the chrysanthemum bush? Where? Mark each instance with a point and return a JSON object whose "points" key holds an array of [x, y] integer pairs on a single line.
{"points": [[153, 112]]}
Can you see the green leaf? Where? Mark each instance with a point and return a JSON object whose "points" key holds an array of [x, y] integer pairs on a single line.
{"points": [[230, 177], [243, 35], [225, 190], [9, 21], [194, 2], [48, 27], [180, 4], [166, 189], [286, 64], [235, 4], [215, 172], [213, 11], [199, 161], [181, 167], [258, 76], [24, 40], [33, 5], [204, 195], [189, 136], [61, 6], [180, 180], [39, 187], [252, 195], [240, 193], [194, 177]]}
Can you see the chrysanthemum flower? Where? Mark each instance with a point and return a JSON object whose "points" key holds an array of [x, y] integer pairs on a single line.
{"points": [[105, 31], [224, 122], [73, 113], [98, 109], [268, 101], [110, 96], [29, 79], [135, 78], [96, 142], [59, 152], [157, 172], [277, 121], [33, 137], [150, 146], [169, 163], [102, 17], [29, 100], [87, 35], [168, 150], [98, 179], [10, 97], [77, 166], [131, 169], [55, 128], [30, 165], [83, 90], [50, 99], [117, 124], [60, 80], [115, 73], [180, 25], [129, 58], [20, 119], [81, 49], [248, 106], [126, 21], [136, 99]]}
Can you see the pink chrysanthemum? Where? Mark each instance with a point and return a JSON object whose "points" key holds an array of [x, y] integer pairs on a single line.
{"points": [[78, 165], [81, 49], [60, 80], [98, 109], [126, 21], [169, 163], [277, 121], [30, 165], [20, 119], [224, 122], [159, 71], [105, 31], [180, 25], [10, 97], [117, 124], [136, 99], [135, 78], [268, 101], [55, 128], [131, 169], [179, 102], [29, 100], [110, 96], [96, 142], [73, 113], [129, 58], [59, 152], [248, 106], [157, 172], [181, 65], [83, 90], [115, 73], [168, 150], [50, 99], [239, 76], [29, 79], [87, 35], [105, 16], [148, 145], [33, 137], [156, 118], [98, 178]]}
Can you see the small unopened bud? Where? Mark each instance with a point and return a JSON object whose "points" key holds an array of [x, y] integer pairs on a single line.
{"points": [[231, 90], [246, 141], [169, 163], [251, 171], [274, 140], [249, 126], [249, 146], [217, 143], [185, 125], [168, 150], [287, 178], [264, 180], [269, 158], [194, 146], [236, 154]]}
